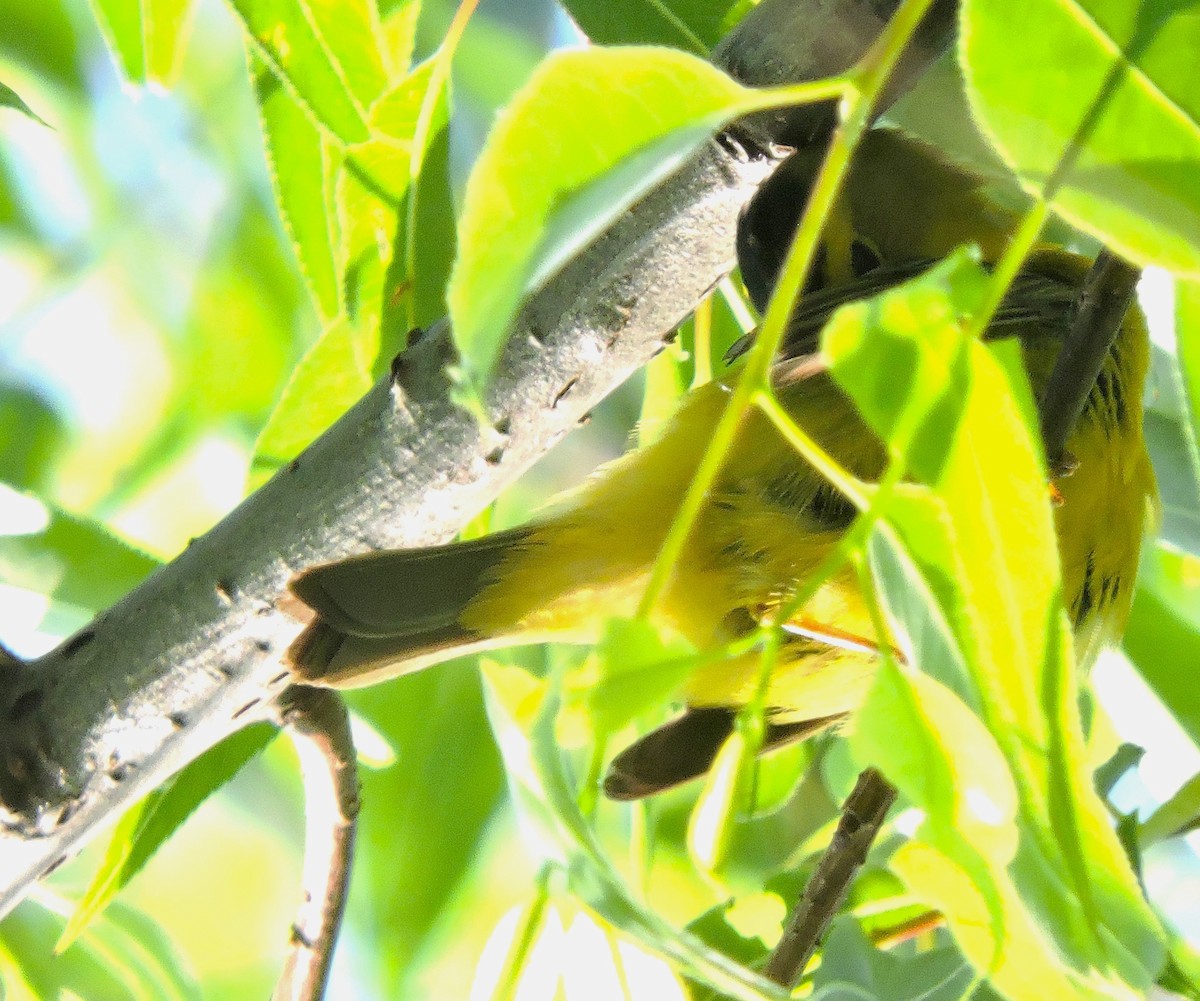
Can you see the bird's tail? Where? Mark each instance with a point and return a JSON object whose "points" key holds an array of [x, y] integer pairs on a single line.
{"points": [[389, 613]]}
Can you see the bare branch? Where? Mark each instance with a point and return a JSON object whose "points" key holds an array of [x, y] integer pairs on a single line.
{"points": [[319, 726], [862, 816], [906, 931]]}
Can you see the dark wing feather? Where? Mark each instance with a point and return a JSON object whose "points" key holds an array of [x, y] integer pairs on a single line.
{"points": [[685, 748]]}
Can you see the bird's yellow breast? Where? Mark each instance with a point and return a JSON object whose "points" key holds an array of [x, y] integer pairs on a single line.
{"points": [[1109, 500], [770, 520]]}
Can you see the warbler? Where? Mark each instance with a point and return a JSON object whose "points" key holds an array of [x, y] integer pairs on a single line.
{"points": [[770, 519]]}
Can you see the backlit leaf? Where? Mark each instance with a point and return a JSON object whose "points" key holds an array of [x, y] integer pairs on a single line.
{"points": [[1102, 104], [590, 132]]}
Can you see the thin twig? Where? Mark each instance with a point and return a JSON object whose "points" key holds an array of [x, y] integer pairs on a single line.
{"points": [[319, 726], [862, 816], [1103, 301], [906, 931]]}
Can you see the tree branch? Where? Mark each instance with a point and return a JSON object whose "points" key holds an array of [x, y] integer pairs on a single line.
{"points": [[193, 653], [317, 720], [862, 816]]}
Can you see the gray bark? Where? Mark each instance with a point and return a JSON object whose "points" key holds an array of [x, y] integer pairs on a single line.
{"points": [[193, 653]]}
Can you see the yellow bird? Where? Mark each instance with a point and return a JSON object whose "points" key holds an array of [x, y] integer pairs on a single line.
{"points": [[770, 519]]}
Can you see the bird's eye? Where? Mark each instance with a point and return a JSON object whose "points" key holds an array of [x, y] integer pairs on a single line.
{"points": [[863, 258]]}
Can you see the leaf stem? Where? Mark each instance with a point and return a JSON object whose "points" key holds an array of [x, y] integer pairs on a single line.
{"points": [[589, 788], [526, 934], [810, 451], [1019, 246], [702, 371], [859, 93]]}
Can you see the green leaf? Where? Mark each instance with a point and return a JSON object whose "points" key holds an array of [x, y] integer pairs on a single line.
{"points": [[372, 192], [328, 54], [1163, 635], [71, 559], [239, 346], [364, 190], [726, 795], [523, 718], [548, 178], [1182, 972], [166, 25], [14, 212], [146, 37], [42, 38], [666, 383], [693, 25], [424, 255], [332, 375], [124, 956], [851, 968], [965, 562], [120, 24], [917, 412], [1178, 815], [918, 599], [418, 841], [951, 767], [634, 668], [144, 828], [780, 810], [303, 165], [1172, 419], [398, 32], [1106, 90], [1187, 342], [9, 98], [931, 745], [724, 929], [1169, 442], [31, 435]]}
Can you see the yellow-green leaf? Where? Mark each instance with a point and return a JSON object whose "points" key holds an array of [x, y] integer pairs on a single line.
{"points": [[548, 178], [332, 375], [967, 566], [328, 52], [303, 165], [146, 37], [1096, 98]]}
